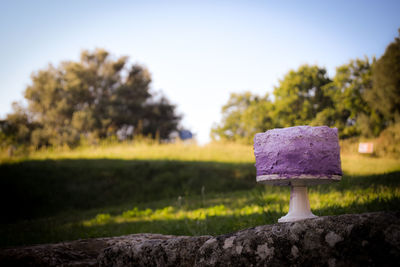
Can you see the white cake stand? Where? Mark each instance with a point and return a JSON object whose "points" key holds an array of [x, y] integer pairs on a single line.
{"points": [[299, 206]]}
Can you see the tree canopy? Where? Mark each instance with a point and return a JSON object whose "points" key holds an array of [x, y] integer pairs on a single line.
{"points": [[362, 99], [349, 111], [299, 96], [384, 96], [243, 116], [96, 97]]}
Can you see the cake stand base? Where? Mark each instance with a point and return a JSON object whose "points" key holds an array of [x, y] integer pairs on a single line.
{"points": [[299, 207]]}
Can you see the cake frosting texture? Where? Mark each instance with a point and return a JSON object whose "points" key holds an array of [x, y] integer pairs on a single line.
{"points": [[298, 151]]}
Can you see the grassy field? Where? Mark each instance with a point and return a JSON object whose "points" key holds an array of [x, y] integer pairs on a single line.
{"points": [[108, 190]]}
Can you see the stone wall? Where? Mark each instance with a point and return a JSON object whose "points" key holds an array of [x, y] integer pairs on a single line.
{"points": [[370, 239]]}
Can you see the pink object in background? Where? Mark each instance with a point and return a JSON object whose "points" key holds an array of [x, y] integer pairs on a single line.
{"points": [[366, 148]]}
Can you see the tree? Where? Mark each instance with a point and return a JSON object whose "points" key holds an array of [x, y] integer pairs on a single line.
{"points": [[350, 112], [17, 127], [384, 96], [299, 96], [243, 116], [160, 118], [97, 96]]}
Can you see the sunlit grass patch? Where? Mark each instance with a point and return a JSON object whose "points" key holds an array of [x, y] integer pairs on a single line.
{"points": [[353, 164], [172, 213], [347, 199], [267, 201], [366, 165], [215, 152]]}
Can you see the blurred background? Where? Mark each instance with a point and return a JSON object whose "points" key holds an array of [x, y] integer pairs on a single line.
{"points": [[124, 117]]}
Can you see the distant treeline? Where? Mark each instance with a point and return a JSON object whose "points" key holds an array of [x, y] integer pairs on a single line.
{"points": [[362, 99], [101, 96], [95, 98]]}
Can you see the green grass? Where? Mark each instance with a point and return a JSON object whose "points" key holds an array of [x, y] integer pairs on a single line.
{"points": [[216, 152], [60, 195]]}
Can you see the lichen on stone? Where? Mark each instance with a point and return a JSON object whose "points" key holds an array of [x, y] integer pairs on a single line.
{"points": [[331, 238]]}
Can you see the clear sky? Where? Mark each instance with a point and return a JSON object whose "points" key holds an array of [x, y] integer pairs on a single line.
{"points": [[197, 51]]}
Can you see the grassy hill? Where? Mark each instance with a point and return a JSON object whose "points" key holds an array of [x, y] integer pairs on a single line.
{"points": [[62, 194]]}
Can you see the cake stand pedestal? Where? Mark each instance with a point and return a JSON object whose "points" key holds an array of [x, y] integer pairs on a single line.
{"points": [[299, 206]]}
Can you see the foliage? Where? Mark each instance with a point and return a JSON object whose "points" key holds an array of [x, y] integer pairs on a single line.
{"points": [[17, 127], [242, 117], [388, 142], [299, 96], [306, 96], [362, 99], [97, 97], [350, 112], [385, 94]]}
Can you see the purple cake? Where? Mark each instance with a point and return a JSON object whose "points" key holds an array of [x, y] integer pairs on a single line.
{"points": [[310, 155]]}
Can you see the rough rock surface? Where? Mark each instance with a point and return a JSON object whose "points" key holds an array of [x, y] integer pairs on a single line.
{"points": [[370, 239], [132, 250], [153, 250], [75, 253]]}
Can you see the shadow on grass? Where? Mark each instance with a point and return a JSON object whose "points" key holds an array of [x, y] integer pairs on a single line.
{"points": [[390, 179], [49, 231], [52, 230], [42, 188], [34, 189]]}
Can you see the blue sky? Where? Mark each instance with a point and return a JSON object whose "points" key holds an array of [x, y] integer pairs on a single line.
{"points": [[197, 51]]}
